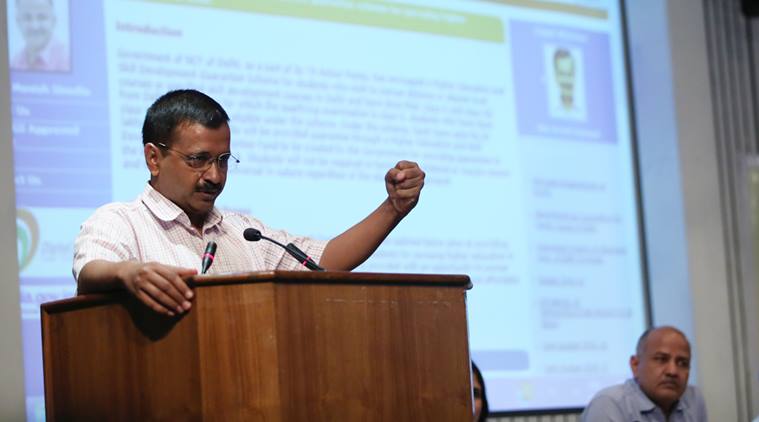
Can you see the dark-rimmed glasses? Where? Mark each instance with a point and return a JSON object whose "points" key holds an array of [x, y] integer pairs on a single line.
{"points": [[203, 161]]}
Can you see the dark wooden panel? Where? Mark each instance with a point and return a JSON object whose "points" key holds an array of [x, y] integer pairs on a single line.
{"points": [[374, 353], [282, 346], [117, 362], [239, 349]]}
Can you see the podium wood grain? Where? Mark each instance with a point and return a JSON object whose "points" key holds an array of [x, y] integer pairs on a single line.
{"points": [[272, 346]]}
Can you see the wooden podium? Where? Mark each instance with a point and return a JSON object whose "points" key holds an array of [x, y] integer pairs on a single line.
{"points": [[267, 346]]}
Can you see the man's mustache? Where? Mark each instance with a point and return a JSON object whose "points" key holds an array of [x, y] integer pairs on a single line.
{"points": [[209, 188]]}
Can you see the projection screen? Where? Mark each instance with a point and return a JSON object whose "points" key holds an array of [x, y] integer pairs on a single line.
{"points": [[517, 110]]}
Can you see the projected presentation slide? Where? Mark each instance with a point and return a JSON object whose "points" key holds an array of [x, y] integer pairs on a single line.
{"points": [[517, 110]]}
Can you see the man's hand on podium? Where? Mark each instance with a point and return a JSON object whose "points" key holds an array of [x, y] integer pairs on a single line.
{"points": [[158, 286]]}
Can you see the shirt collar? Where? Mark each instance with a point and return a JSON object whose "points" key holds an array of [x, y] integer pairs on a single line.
{"points": [[166, 210], [645, 405], [46, 55], [43, 59]]}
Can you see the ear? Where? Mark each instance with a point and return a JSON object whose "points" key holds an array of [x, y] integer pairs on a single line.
{"points": [[634, 361], [152, 158]]}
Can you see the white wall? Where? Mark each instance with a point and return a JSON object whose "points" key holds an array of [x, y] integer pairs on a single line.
{"points": [[689, 286], [11, 367], [702, 201]]}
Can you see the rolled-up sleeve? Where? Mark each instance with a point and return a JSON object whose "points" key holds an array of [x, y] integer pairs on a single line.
{"points": [[106, 235]]}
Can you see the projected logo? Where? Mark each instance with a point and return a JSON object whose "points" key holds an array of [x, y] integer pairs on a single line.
{"points": [[27, 237]]}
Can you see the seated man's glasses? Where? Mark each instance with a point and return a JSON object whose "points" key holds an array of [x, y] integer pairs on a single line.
{"points": [[203, 161]]}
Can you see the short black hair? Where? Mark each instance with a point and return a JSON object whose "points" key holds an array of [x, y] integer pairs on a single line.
{"points": [[180, 107], [561, 53]]}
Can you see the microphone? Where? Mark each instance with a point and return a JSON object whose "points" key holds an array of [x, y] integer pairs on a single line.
{"points": [[254, 235], [208, 257]]}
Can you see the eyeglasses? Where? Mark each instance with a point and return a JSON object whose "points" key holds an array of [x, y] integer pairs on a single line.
{"points": [[203, 161]]}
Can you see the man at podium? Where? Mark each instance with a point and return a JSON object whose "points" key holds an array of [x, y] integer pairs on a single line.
{"points": [[147, 246]]}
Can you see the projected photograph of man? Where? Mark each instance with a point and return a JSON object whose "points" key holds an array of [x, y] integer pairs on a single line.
{"points": [[566, 87], [565, 107], [39, 40]]}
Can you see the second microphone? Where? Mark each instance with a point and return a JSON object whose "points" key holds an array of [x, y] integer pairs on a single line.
{"points": [[254, 235]]}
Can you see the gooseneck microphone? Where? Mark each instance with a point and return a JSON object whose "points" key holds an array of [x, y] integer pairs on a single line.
{"points": [[208, 257], [254, 235]]}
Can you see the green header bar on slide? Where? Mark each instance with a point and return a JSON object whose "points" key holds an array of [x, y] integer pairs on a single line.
{"points": [[376, 13]]}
